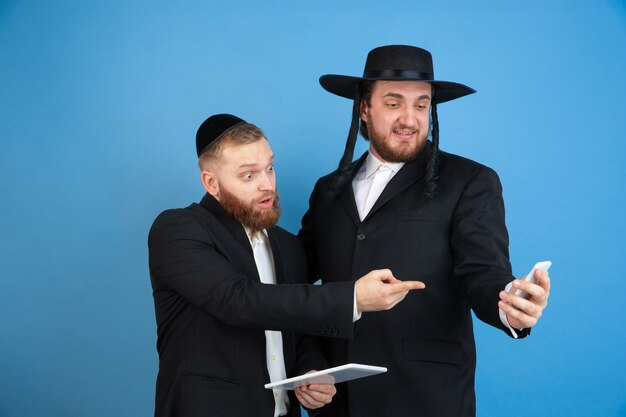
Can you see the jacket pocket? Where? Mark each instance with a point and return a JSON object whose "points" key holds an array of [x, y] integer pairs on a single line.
{"points": [[419, 216], [432, 350], [210, 381]]}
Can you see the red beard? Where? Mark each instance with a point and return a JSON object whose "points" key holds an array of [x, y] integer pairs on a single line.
{"points": [[248, 214]]}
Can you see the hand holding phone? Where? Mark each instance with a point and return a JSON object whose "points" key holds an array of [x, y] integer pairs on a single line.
{"points": [[544, 266]]}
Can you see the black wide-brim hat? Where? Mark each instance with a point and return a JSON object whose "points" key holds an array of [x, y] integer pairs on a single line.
{"points": [[396, 63]]}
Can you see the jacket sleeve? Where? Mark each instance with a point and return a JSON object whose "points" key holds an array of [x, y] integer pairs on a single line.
{"points": [[480, 242], [311, 354], [184, 259]]}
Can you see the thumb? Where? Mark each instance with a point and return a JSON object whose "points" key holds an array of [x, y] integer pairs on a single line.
{"points": [[384, 275]]}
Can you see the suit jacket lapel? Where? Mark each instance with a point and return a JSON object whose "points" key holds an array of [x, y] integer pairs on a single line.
{"points": [[411, 172], [347, 194], [238, 233], [233, 226]]}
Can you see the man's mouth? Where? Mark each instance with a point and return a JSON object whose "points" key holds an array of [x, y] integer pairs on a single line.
{"points": [[404, 133], [266, 203]]}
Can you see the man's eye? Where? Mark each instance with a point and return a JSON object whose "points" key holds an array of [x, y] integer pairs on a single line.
{"points": [[247, 176], [392, 105], [270, 168]]}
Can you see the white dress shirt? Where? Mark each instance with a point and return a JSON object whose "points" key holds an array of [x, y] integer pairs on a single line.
{"points": [[370, 181], [275, 358], [273, 339], [368, 185]]}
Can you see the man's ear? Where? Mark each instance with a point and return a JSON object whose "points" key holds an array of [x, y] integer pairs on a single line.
{"points": [[363, 110], [210, 183]]}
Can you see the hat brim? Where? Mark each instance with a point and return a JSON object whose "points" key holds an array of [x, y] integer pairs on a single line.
{"points": [[344, 86]]}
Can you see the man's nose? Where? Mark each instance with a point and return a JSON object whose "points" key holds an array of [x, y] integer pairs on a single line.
{"points": [[267, 182], [407, 116]]}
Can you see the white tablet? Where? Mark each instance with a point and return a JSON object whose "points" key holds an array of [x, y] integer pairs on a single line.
{"points": [[334, 375]]}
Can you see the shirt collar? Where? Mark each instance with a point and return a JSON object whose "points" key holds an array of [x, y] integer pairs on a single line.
{"points": [[372, 163], [258, 238]]}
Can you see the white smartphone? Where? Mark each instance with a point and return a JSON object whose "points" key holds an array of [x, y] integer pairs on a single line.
{"points": [[544, 266]]}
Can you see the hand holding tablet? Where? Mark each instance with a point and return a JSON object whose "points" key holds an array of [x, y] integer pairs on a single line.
{"points": [[334, 375]]}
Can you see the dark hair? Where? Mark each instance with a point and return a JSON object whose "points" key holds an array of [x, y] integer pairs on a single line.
{"points": [[432, 169], [366, 96]]}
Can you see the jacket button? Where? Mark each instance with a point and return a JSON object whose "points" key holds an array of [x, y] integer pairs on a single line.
{"points": [[360, 236]]}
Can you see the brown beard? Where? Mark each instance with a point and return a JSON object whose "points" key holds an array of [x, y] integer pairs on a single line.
{"points": [[389, 154], [248, 214]]}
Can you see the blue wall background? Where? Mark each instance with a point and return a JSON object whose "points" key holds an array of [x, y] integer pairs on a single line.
{"points": [[99, 103]]}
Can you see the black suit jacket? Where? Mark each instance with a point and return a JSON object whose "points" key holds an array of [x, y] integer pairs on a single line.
{"points": [[456, 243], [212, 310]]}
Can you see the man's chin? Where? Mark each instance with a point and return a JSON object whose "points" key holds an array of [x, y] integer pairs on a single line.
{"points": [[264, 219], [405, 153]]}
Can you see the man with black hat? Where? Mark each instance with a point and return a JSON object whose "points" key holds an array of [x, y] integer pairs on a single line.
{"points": [[424, 213], [213, 268]]}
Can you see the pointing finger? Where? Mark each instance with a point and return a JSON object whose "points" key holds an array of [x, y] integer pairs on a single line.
{"points": [[409, 285]]}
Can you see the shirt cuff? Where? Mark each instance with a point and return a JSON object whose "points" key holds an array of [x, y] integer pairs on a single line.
{"points": [[355, 312], [503, 318]]}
